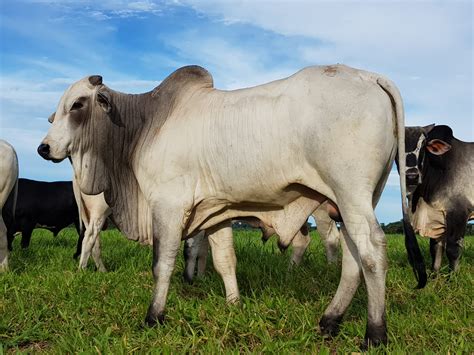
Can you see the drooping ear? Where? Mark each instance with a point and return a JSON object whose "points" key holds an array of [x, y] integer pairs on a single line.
{"points": [[438, 147], [103, 99], [427, 129], [95, 80], [51, 118]]}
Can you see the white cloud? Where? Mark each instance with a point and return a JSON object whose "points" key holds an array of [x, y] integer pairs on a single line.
{"points": [[424, 46]]}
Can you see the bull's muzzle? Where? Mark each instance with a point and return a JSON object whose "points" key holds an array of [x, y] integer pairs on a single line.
{"points": [[43, 150]]}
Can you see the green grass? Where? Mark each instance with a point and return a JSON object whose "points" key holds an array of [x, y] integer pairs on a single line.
{"points": [[46, 305]]}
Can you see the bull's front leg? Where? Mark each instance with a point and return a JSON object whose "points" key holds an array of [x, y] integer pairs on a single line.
{"points": [[223, 255], [167, 234]]}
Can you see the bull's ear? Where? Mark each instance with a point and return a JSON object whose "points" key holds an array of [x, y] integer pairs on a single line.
{"points": [[438, 147], [103, 99], [427, 129], [51, 118], [95, 80]]}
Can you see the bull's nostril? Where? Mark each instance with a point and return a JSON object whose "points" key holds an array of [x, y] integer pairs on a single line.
{"points": [[43, 150]]}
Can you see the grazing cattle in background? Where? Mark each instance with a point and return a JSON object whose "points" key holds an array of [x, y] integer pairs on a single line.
{"points": [[440, 178], [196, 249], [49, 205], [198, 157], [8, 190]]}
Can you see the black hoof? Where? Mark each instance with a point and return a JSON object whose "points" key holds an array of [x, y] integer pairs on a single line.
{"points": [[153, 319], [329, 325], [375, 335], [76, 255], [187, 278], [282, 247]]}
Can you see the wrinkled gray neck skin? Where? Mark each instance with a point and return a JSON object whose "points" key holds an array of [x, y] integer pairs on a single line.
{"points": [[105, 155], [105, 152]]}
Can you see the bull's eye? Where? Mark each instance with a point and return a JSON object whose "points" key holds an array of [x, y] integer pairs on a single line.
{"points": [[76, 106]]}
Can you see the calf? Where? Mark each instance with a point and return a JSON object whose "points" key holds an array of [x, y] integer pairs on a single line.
{"points": [[440, 179], [49, 205], [8, 190]]}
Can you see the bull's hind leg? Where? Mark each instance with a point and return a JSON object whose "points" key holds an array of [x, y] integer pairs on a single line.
{"points": [[369, 240], [348, 284], [225, 261]]}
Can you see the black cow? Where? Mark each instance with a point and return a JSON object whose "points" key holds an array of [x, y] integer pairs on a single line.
{"points": [[440, 175], [49, 205]]}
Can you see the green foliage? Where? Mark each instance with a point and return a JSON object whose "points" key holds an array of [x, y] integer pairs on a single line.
{"points": [[46, 305]]}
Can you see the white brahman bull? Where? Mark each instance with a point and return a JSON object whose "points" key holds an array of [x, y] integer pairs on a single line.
{"points": [[199, 157], [8, 185]]}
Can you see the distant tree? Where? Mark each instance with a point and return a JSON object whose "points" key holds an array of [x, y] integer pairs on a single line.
{"points": [[393, 228]]}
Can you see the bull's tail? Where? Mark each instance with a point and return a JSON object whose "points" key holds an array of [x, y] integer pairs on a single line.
{"points": [[411, 243]]}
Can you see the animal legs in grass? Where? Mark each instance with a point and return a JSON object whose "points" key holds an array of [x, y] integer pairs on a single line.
{"points": [[369, 241], [192, 248], [455, 229], [328, 232], [26, 235], [224, 259], [3, 245], [299, 243], [91, 243], [348, 284], [96, 255], [167, 234], [436, 251]]}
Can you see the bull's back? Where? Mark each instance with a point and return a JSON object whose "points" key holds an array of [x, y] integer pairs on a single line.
{"points": [[266, 137]]}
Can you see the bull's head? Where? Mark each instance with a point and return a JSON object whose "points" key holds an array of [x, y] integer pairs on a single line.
{"points": [[80, 102], [419, 141]]}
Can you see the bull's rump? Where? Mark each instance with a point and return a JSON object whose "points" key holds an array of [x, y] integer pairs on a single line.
{"points": [[251, 144]]}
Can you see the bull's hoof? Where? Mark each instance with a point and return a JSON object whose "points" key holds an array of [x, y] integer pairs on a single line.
{"points": [[282, 247], [375, 335], [76, 255], [152, 318], [329, 325]]}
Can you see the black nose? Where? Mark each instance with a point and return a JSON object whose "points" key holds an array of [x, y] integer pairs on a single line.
{"points": [[412, 176], [43, 150]]}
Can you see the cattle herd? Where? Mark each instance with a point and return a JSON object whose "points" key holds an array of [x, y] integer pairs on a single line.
{"points": [[182, 161]]}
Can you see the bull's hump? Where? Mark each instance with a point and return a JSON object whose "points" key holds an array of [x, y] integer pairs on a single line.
{"points": [[186, 76]]}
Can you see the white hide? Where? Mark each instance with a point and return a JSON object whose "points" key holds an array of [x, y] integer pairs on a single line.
{"points": [[8, 183]]}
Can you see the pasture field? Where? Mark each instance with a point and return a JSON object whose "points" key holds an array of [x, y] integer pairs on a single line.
{"points": [[46, 305]]}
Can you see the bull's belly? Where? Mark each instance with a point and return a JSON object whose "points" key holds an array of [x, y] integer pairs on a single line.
{"points": [[292, 206]]}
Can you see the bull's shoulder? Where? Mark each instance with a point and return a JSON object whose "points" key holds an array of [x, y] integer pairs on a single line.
{"points": [[183, 77]]}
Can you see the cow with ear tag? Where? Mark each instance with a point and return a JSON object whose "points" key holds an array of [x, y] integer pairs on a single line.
{"points": [[442, 195]]}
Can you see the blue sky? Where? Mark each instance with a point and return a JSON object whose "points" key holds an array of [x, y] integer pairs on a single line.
{"points": [[426, 47]]}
